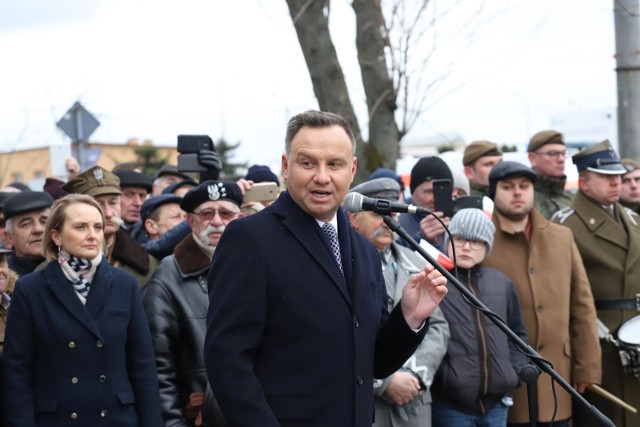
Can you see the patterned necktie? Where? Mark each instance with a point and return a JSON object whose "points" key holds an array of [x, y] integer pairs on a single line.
{"points": [[330, 231]]}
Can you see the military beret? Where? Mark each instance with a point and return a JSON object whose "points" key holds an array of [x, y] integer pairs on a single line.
{"points": [[600, 158], [506, 170], [153, 203], [478, 149], [93, 182], [382, 188], [211, 191], [175, 186], [630, 165], [26, 202], [172, 170], [545, 137], [133, 179]]}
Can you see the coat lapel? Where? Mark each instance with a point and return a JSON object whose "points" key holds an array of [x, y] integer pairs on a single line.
{"points": [[63, 290], [306, 231], [600, 222], [100, 286]]}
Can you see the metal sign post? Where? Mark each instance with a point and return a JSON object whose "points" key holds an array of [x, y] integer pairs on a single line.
{"points": [[78, 124]]}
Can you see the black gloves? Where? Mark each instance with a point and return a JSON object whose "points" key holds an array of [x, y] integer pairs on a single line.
{"points": [[210, 160]]}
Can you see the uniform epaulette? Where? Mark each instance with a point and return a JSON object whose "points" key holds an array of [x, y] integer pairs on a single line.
{"points": [[561, 216], [633, 216]]}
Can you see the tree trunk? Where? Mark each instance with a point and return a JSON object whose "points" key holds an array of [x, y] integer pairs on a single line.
{"points": [[329, 85], [384, 136]]}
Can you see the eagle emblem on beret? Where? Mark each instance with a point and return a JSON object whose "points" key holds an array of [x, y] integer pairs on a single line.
{"points": [[217, 191], [98, 174]]}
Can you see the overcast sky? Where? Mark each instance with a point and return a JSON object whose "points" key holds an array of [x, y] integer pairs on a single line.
{"points": [[233, 69]]}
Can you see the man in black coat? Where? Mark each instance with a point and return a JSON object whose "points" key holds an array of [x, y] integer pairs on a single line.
{"points": [[296, 334], [176, 301]]}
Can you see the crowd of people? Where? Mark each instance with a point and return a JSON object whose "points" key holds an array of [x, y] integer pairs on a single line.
{"points": [[171, 301]]}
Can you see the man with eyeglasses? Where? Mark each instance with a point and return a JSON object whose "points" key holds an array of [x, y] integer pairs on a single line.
{"points": [[547, 153], [543, 261], [176, 300]]}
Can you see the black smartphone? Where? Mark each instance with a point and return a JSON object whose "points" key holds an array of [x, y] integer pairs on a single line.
{"points": [[466, 202], [188, 147], [442, 191], [194, 143]]}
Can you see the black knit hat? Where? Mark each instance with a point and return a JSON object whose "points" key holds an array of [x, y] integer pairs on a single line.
{"points": [[506, 170], [261, 173], [428, 169]]}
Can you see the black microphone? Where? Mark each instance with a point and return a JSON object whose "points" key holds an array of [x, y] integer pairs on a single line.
{"points": [[356, 202]]}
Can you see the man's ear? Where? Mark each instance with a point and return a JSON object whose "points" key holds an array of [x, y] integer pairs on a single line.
{"points": [[6, 237], [150, 227], [353, 219]]}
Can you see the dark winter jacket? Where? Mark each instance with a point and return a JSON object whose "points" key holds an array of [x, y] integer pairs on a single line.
{"points": [[481, 364]]}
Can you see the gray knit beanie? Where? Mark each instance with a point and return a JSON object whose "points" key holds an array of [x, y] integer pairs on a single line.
{"points": [[472, 224]]}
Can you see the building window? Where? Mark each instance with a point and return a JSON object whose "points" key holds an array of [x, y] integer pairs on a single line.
{"points": [[17, 177], [39, 174]]}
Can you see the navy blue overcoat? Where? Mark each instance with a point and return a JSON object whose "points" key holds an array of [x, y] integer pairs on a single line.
{"points": [[66, 363]]}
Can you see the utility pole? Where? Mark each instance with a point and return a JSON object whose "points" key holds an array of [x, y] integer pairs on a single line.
{"points": [[627, 29]]}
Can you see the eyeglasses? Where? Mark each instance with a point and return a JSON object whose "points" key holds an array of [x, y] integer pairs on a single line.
{"points": [[208, 215], [476, 245], [553, 154]]}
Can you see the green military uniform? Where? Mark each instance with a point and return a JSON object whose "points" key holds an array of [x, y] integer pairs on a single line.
{"points": [[550, 195], [472, 153], [479, 190], [125, 252], [635, 207], [609, 243]]}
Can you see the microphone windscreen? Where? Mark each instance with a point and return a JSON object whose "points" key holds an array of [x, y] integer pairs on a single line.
{"points": [[353, 202]]}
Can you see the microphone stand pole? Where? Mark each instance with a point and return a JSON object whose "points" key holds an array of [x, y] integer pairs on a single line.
{"points": [[524, 347]]}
